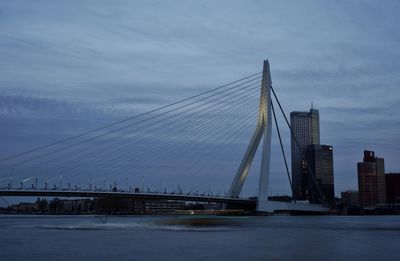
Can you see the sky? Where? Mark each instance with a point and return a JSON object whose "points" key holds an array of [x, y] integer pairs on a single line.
{"points": [[70, 66]]}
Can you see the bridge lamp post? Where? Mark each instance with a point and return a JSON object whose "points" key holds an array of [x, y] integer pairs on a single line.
{"points": [[11, 178], [60, 181], [25, 180]]}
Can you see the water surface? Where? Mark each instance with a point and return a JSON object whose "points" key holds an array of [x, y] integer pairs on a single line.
{"points": [[150, 238]]}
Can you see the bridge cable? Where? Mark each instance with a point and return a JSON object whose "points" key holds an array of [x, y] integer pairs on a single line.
{"points": [[214, 116], [282, 149], [153, 145], [166, 134], [201, 124], [209, 157], [124, 120], [125, 144], [118, 129], [299, 147]]}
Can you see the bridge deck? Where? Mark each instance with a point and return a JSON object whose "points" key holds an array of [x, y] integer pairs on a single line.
{"points": [[137, 196]]}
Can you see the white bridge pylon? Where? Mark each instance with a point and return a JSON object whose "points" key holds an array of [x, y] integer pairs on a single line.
{"points": [[263, 129]]}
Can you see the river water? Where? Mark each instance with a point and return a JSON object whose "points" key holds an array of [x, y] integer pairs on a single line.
{"points": [[154, 238]]}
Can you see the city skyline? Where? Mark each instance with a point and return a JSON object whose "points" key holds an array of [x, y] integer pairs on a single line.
{"points": [[89, 65]]}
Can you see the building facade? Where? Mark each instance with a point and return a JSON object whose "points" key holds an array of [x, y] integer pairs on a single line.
{"points": [[320, 185], [371, 180], [305, 127], [350, 197], [392, 187]]}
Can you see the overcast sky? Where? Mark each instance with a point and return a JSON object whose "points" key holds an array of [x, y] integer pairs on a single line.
{"points": [[69, 66]]}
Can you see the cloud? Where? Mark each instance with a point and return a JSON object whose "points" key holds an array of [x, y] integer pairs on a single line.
{"points": [[71, 66]]}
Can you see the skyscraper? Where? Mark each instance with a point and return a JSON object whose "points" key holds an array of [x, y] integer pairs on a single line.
{"points": [[371, 180], [305, 126], [320, 186]]}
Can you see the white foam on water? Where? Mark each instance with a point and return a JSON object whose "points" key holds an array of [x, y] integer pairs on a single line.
{"points": [[113, 226], [122, 226], [157, 226], [93, 226]]}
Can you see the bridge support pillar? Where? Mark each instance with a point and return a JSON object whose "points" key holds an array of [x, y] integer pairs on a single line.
{"points": [[263, 129]]}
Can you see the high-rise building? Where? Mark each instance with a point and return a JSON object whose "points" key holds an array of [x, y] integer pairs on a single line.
{"points": [[392, 187], [320, 187], [305, 126], [371, 180]]}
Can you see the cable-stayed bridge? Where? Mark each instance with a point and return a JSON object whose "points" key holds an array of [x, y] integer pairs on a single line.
{"points": [[195, 141]]}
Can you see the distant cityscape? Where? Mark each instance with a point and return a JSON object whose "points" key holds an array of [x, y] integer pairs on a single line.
{"points": [[313, 172]]}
